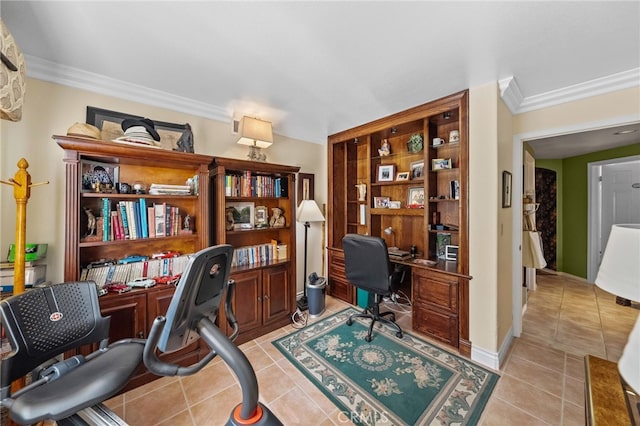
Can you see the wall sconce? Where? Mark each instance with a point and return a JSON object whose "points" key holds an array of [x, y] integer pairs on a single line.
{"points": [[257, 134]]}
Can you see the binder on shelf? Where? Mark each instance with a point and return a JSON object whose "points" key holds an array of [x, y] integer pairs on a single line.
{"points": [[106, 219], [143, 218]]}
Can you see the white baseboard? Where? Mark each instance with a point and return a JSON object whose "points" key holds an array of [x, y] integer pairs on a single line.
{"points": [[490, 359]]}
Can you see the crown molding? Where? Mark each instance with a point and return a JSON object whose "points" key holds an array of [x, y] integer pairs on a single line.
{"points": [[509, 90], [42, 69], [517, 104]]}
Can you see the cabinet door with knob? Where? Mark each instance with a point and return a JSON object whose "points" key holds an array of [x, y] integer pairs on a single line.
{"points": [[260, 301]]}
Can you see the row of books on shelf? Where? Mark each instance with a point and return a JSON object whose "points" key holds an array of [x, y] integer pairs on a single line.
{"points": [[124, 273], [259, 254], [131, 220], [246, 185]]}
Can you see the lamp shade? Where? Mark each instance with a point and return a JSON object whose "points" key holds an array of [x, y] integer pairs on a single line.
{"points": [[308, 211], [619, 271], [255, 132], [629, 362]]}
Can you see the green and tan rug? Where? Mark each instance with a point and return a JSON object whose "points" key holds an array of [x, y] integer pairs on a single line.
{"points": [[388, 380]]}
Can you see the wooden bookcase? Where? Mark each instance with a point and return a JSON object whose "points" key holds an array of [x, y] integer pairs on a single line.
{"points": [[265, 295], [132, 313], [435, 216]]}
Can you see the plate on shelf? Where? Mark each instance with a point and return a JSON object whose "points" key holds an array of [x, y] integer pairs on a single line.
{"points": [[415, 143]]}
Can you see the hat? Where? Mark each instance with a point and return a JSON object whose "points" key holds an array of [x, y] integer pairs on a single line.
{"points": [[138, 135], [84, 130], [145, 122]]}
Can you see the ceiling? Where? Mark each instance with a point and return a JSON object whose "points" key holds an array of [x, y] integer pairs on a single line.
{"points": [[319, 67]]}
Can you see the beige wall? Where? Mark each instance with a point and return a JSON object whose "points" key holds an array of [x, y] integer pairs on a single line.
{"points": [[50, 109], [505, 230], [621, 103], [483, 215]]}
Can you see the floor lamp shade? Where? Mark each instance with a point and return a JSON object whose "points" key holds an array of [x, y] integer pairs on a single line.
{"points": [[619, 274], [307, 212]]}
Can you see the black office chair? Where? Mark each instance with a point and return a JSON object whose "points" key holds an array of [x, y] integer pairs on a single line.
{"points": [[45, 322], [367, 267]]}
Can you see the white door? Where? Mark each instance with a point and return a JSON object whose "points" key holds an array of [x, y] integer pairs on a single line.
{"points": [[620, 198]]}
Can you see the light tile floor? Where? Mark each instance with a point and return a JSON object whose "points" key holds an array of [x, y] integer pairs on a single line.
{"points": [[542, 379]]}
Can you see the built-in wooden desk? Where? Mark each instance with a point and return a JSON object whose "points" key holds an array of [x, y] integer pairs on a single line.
{"points": [[604, 397]]}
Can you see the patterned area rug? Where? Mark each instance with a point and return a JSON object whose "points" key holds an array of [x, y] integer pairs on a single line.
{"points": [[388, 380]]}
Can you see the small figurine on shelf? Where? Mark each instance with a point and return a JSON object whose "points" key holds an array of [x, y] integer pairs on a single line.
{"points": [[229, 221], [362, 191], [277, 220], [186, 226], [91, 222], [385, 149]]}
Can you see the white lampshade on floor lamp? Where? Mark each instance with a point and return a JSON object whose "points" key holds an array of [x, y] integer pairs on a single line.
{"points": [[307, 212], [619, 274]]}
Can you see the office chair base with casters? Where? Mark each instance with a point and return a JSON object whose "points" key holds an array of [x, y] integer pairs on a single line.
{"points": [[373, 312], [367, 267]]}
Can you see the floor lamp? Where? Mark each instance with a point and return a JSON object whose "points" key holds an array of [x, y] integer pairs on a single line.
{"points": [[619, 274], [308, 212]]}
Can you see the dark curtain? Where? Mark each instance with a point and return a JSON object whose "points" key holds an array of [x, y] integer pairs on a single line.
{"points": [[546, 216]]}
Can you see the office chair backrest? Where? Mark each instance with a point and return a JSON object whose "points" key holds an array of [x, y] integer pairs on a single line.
{"points": [[45, 322], [366, 262]]}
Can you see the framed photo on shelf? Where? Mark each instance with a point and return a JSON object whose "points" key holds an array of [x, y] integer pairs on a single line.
{"points": [[402, 176], [440, 163], [110, 124], [243, 215], [506, 189], [99, 177], [386, 172], [394, 204], [417, 170], [262, 217], [416, 196], [381, 202]]}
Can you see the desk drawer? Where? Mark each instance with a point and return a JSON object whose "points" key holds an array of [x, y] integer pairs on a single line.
{"points": [[339, 287], [435, 288], [437, 324]]}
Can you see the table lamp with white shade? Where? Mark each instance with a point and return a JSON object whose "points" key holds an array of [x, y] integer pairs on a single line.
{"points": [[619, 274]]}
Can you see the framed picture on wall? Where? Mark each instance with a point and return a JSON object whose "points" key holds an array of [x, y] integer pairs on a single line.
{"points": [[506, 189], [305, 187]]}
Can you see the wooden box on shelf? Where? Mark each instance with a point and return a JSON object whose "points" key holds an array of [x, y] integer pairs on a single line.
{"points": [[263, 269]]}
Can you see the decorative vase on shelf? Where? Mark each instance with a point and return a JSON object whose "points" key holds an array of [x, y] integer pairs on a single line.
{"points": [[415, 143]]}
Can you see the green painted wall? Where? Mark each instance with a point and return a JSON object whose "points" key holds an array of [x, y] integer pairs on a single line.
{"points": [[556, 166], [575, 206]]}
